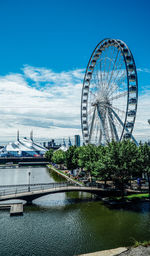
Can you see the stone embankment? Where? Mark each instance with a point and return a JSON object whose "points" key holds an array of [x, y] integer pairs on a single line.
{"points": [[112, 252], [122, 251], [138, 251]]}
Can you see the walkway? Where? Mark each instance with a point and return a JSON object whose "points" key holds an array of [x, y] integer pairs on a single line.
{"points": [[30, 192]]}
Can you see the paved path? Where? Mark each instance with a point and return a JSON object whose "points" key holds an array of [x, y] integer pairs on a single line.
{"points": [[111, 252]]}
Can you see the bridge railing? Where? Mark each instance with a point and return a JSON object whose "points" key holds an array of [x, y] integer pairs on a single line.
{"points": [[21, 188]]}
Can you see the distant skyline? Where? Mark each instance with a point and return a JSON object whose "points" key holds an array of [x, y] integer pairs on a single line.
{"points": [[44, 50]]}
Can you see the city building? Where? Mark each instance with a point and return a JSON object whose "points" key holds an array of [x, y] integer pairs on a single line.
{"points": [[53, 145], [44, 144], [77, 140]]}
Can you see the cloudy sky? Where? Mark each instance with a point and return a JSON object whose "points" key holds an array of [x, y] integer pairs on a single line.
{"points": [[44, 50]]}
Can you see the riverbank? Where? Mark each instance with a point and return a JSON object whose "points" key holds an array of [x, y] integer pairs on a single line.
{"points": [[64, 175], [127, 200], [111, 252], [122, 251], [138, 251]]}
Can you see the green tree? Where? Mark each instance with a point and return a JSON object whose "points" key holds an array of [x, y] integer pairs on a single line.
{"points": [[87, 157], [123, 162], [101, 170], [71, 158], [59, 157], [118, 162], [49, 154], [144, 152]]}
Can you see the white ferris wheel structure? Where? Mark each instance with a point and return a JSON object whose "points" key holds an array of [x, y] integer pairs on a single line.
{"points": [[109, 94]]}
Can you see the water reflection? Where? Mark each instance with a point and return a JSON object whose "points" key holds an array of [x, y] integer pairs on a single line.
{"points": [[67, 223]]}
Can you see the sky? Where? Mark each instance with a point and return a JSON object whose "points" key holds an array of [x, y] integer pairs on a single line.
{"points": [[45, 46]]}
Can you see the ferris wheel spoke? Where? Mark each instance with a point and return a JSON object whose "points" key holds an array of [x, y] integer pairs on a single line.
{"points": [[116, 86], [101, 77], [110, 63], [113, 107], [119, 96], [119, 65], [92, 93], [119, 68], [113, 69], [104, 66], [96, 84], [98, 79]]}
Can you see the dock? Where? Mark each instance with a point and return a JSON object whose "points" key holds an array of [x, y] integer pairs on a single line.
{"points": [[16, 209]]}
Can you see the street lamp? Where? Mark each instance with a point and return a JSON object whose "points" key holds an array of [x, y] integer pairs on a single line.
{"points": [[29, 174]]}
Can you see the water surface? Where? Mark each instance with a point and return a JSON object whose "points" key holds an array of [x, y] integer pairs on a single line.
{"points": [[67, 224]]}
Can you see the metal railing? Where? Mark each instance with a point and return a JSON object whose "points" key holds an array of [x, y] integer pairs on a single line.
{"points": [[22, 188]]}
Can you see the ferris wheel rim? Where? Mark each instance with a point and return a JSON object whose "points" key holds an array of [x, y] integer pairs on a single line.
{"points": [[121, 46]]}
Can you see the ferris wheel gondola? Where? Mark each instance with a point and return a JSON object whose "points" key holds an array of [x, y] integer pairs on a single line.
{"points": [[109, 94]]}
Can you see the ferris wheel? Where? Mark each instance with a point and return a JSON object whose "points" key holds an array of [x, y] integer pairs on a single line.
{"points": [[109, 94]]}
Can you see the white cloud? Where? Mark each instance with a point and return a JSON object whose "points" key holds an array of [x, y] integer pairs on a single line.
{"points": [[42, 100], [49, 103], [142, 128], [143, 70]]}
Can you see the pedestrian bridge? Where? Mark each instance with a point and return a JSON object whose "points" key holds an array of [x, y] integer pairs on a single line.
{"points": [[33, 191]]}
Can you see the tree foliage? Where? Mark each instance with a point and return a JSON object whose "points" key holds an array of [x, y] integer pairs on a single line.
{"points": [[71, 158], [49, 154], [59, 157], [117, 161], [144, 152]]}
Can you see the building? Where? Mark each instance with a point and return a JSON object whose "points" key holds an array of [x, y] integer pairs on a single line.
{"points": [[44, 144], [53, 145], [23, 148], [77, 140]]}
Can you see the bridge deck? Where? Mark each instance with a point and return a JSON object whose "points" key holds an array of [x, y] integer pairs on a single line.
{"points": [[30, 192], [38, 193]]}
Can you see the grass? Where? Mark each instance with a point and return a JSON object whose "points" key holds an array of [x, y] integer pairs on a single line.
{"points": [[133, 197], [137, 196], [144, 243]]}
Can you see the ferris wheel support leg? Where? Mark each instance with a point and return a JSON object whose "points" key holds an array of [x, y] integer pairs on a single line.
{"points": [[118, 118], [100, 136], [91, 130], [112, 125], [102, 123]]}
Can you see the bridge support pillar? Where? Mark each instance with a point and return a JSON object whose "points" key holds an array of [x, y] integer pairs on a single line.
{"points": [[29, 202]]}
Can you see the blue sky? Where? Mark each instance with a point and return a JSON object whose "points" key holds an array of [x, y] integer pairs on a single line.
{"points": [[55, 39]]}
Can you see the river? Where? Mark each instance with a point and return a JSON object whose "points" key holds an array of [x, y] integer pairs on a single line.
{"points": [[67, 224]]}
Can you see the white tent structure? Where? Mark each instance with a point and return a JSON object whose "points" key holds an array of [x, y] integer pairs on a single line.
{"points": [[63, 148], [23, 148]]}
